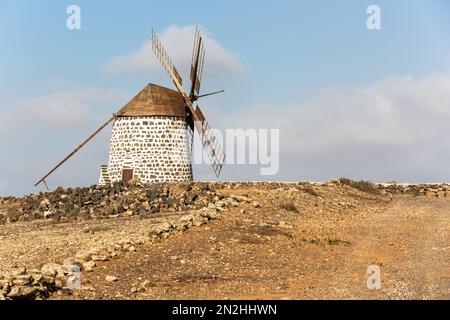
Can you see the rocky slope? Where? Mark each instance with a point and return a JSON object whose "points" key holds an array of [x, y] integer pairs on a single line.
{"points": [[96, 202], [160, 208], [70, 243]]}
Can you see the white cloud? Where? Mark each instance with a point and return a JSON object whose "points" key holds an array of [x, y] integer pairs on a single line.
{"points": [[394, 129], [54, 109], [178, 42], [396, 112], [38, 131], [59, 108]]}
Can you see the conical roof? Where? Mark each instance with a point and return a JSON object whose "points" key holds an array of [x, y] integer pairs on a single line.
{"points": [[155, 100]]}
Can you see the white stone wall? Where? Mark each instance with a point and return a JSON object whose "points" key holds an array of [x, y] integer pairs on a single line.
{"points": [[104, 176], [157, 148]]}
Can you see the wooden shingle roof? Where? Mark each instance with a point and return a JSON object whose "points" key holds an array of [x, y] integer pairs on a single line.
{"points": [[154, 100]]}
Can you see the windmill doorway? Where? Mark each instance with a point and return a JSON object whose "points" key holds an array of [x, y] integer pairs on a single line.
{"points": [[127, 175]]}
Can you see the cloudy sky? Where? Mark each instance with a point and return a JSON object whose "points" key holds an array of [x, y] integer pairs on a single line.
{"points": [[348, 101]]}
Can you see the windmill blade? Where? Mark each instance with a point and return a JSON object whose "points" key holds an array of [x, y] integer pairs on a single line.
{"points": [[195, 50], [209, 141], [74, 151], [198, 57], [196, 116], [166, 62]]}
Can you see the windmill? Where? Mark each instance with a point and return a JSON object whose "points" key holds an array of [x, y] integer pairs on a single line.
{"points": [[152, 135]]}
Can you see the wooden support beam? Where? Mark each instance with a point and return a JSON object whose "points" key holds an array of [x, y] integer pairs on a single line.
{"points": [[75, 151], [46, 186]]}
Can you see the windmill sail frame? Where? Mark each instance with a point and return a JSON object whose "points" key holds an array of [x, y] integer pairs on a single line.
{"points": [[209, 141]]}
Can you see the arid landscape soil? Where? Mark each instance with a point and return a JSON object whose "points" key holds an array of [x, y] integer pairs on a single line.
{"points": [[227, 241]]}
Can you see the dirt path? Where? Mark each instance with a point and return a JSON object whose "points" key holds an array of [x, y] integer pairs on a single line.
{"points": [[410, 242], [31, 244], [321, 252], [422, 257]]}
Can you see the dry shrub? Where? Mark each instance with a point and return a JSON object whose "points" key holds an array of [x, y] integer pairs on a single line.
{"points": [[289, 206], [310, 190], [364, 186], [336, 242]]}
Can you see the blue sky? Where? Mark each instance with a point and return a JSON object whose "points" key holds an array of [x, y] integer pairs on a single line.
{"points": [[287, 46], [288, 52]]}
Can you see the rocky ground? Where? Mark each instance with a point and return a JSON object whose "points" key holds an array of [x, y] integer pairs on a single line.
{"points": [[227, 241]]}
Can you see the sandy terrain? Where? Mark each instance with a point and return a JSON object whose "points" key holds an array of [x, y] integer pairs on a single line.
{"points": [[287, 243]]}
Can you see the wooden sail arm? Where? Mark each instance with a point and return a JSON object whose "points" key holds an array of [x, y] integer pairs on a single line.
{"points": [[207, 137], [75, 150]]}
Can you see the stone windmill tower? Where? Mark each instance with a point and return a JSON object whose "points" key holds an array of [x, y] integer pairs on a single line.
{"points": [[152, 135], [150, 139]]}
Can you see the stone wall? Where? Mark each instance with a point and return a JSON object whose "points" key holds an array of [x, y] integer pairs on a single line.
{"points": [[157, 148]]}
